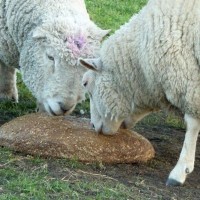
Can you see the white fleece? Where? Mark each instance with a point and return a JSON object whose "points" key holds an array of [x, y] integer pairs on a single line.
{"points": [[45, 38], [150, 63]]}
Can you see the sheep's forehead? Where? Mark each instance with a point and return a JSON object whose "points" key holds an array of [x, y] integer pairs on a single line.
{"points": [[75, 45]]}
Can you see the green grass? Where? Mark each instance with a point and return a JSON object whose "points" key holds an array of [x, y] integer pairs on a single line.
{"points": [[27, 103], [112, 14], [26, 177]]}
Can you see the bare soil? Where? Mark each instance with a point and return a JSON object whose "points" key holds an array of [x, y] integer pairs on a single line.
{"points": [[146, 180], [152, 176]]}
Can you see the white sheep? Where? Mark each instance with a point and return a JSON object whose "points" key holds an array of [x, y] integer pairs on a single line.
{"points": [[151, 63], [45, 38]]}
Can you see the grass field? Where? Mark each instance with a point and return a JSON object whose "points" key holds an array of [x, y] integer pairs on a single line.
{"points": [[26, 177]]}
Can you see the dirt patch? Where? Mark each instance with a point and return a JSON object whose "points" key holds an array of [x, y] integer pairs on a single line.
{"points": [[151, 177], [146, 180]]}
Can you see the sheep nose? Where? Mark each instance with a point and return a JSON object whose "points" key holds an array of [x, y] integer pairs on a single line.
{"points": [[65, 108], [123, 125], [92, 125]]}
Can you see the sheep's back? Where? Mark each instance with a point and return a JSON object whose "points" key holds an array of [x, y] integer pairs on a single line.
{"points": [[170, 51], [157, 53], [22, 16]]}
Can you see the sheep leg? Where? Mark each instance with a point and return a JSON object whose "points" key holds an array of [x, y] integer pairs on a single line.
{"points": [[8, 88], [185, 164]]}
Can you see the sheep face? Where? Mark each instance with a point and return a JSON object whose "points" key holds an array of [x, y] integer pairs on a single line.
{"points": [[52, 72], [106, 105]]}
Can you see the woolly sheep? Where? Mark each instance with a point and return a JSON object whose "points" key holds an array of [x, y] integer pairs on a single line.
{"points": [[151, 63], [45, 38]]}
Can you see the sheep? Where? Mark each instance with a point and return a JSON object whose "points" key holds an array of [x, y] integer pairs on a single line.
{"points": [[151, 63], [45, 38]]}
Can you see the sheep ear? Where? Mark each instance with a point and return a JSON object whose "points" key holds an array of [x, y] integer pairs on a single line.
{"points": [[93, 64], [39, 33], [98, 33], [104, 33]]}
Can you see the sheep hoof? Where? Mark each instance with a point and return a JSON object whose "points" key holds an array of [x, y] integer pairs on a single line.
{"points": [[173, 182]]}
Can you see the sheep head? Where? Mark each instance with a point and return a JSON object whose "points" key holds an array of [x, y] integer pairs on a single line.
{"points": [[108, 106], [52, 72]]}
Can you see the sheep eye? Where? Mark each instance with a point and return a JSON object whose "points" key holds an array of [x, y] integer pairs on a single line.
{"points": [[85, 83], [50, 58]]}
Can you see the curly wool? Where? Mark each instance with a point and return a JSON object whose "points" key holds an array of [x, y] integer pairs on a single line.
{"points": [[151, 63], [154, 59], [20, 17], [33, 30]]}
